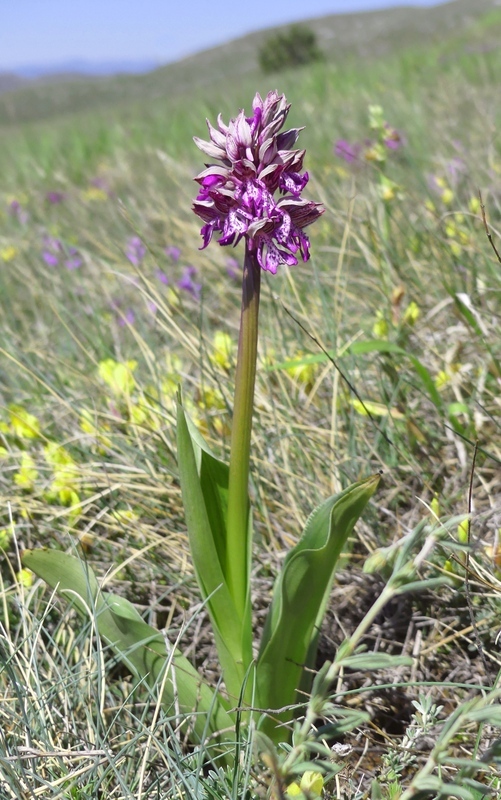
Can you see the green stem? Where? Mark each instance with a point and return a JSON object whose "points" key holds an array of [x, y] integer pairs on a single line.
{"points": [[238, 534]]}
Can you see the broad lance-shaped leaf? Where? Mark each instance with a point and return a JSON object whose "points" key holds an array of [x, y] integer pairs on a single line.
{"points": [[204, 486], [142, 648], [300, 597]]}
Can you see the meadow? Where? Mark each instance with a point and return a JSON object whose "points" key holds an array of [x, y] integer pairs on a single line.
{"points": [[381, 353]]}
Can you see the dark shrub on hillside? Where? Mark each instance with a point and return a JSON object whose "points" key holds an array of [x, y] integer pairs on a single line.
{"points": [[291, 48]]}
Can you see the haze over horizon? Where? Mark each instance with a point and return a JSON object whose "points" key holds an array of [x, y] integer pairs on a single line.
{"points": [[43, 35]]}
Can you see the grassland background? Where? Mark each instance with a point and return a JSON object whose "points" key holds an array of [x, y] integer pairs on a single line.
{"points": [[120, 153]]}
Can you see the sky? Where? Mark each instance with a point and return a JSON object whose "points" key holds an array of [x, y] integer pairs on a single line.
{"points": [[46, 32]]}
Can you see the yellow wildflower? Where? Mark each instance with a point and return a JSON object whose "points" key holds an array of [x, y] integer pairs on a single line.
{"points": [[303, 371], [23, 424], [435, 507], [474, 205], [310, 786], [411, 313], [25, 578], [447, 197], [124, 516], [65, 482], [366, 407], [380, 327], [94, 194], [462, 532], [375, 153], [118, 376], [223, 348], [8, 253], [442, 379], [388, 190], [27, 474]]}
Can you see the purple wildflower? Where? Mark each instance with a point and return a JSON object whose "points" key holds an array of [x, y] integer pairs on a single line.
{"points": [[172, 252], [455, 167], [16, 210], [52, 251], [55, 252], [343, 149], [127, 318], [392, 138], [74, 259], [50, 258], [161, 276], [54, 197], [102, 184], [135, 250], [237, 196], [187, 283], [233, 268]]}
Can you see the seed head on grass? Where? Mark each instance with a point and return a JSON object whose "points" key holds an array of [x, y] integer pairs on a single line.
{"points": [[237, 197]]}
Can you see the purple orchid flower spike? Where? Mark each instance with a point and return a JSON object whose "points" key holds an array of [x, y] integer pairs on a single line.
{"points": [[237, 196]]}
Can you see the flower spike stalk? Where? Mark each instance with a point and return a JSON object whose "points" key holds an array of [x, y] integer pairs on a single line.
{"points": [[237, 553]]}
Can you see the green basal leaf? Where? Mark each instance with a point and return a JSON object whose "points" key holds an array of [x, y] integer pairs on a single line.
{"points": [[204, 485], [300, 597], [142, 648]]}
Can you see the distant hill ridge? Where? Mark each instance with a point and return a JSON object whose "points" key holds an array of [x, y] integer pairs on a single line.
{"points": [[361, 34], [82, 67]]}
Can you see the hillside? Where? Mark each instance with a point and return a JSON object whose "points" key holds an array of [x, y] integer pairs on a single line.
{"points": [[341, 36]]}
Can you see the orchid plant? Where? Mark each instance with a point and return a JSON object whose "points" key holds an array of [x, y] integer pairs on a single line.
{"points": [[252, 193]]}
